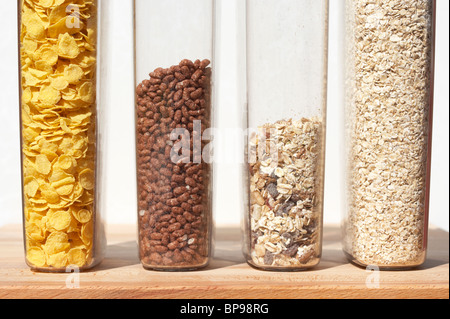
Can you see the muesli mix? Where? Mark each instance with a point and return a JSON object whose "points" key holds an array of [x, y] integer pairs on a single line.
{"points": [[286, 194]]}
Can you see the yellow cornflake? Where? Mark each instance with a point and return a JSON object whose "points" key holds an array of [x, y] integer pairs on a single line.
{"points": [[82, 215], [43, 165], [66, 162], [77, 257], [49, 194], [36, 256], [58, 260], [87, 179], [59, 220], [31, 186], [48, 55], [49, 96], [73, 74], [34, 232], [87, 93], [67, 46], [59, 83], [56, 242]]}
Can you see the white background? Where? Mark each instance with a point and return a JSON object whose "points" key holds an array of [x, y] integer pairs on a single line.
{"points": [[119, 160]]}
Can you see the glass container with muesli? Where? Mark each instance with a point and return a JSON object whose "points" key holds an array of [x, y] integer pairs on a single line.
{"points": [[174, 107], [286, 90], [61, 127], [389, 71]]}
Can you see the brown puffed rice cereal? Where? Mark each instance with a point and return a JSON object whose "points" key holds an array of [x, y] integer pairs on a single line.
{"points": [[173, 188]]}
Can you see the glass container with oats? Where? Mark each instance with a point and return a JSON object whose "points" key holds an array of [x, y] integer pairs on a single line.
{"points": [[286, 91], [174, 108], [59, 50], [388, 117]]}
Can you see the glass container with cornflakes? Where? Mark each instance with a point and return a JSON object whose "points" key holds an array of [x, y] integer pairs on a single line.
{"points": [[286, 114], [174, 109], [59, 104]]}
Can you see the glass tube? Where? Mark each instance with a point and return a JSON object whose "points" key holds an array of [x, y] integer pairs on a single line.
{"points": [[389, 72], [287, 43], [60, 129], [174, 108]]}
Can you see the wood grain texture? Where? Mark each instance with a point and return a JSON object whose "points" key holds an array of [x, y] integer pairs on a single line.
{"points": [[227, 277]]}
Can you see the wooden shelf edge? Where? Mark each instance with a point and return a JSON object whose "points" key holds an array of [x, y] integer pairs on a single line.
{"points": [[229, 292]]}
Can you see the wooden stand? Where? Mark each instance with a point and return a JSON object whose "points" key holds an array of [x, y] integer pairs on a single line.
{"points": [[227, 277]]}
